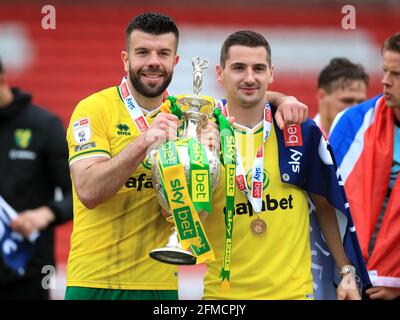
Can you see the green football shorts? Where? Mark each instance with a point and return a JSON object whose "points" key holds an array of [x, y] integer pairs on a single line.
{"points": [[82, 293]]}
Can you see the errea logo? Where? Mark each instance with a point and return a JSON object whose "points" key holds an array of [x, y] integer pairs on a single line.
{"points": [[123, 130]]}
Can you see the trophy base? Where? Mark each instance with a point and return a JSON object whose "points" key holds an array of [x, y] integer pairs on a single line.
{"points": [[175, 256]]}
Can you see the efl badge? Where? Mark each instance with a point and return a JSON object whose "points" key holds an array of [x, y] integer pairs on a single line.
{"points": [[82, 131]]}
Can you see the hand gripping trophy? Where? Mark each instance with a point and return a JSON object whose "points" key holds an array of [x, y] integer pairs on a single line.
{"points": [[185, 174]]}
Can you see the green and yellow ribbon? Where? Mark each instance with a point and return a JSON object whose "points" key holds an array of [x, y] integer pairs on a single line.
{"points": [[199, 176], [229, 162], [186, 199], [171, 106]]}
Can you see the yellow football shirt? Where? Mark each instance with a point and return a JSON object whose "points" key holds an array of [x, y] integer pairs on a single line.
{"points": [[110, 244], [275, 264]]}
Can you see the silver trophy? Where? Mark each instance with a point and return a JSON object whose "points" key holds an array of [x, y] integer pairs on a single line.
{"points": [[196, 112]]}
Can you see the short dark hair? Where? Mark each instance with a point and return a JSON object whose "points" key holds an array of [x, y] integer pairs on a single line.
{"points": [[392, 43], [1, 67], [245, 38], [153, 23], [340, 72]]}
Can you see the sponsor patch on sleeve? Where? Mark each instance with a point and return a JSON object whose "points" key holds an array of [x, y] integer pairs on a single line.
{"points": [[85, 146], [82, 131]]}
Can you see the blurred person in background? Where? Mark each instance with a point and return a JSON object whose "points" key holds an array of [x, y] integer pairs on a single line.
{"points": [[366, 142], [117, 219], [340, 84], [33, 162]]}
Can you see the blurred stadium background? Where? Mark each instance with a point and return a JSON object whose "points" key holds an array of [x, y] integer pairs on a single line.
{"points": [[82, 55]]}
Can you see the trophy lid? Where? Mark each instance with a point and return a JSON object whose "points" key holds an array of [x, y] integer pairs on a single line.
{"points": [[199, 65]]}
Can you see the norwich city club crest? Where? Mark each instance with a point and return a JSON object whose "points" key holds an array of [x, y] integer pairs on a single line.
{"points": [[23, 137], [147, 162]]}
